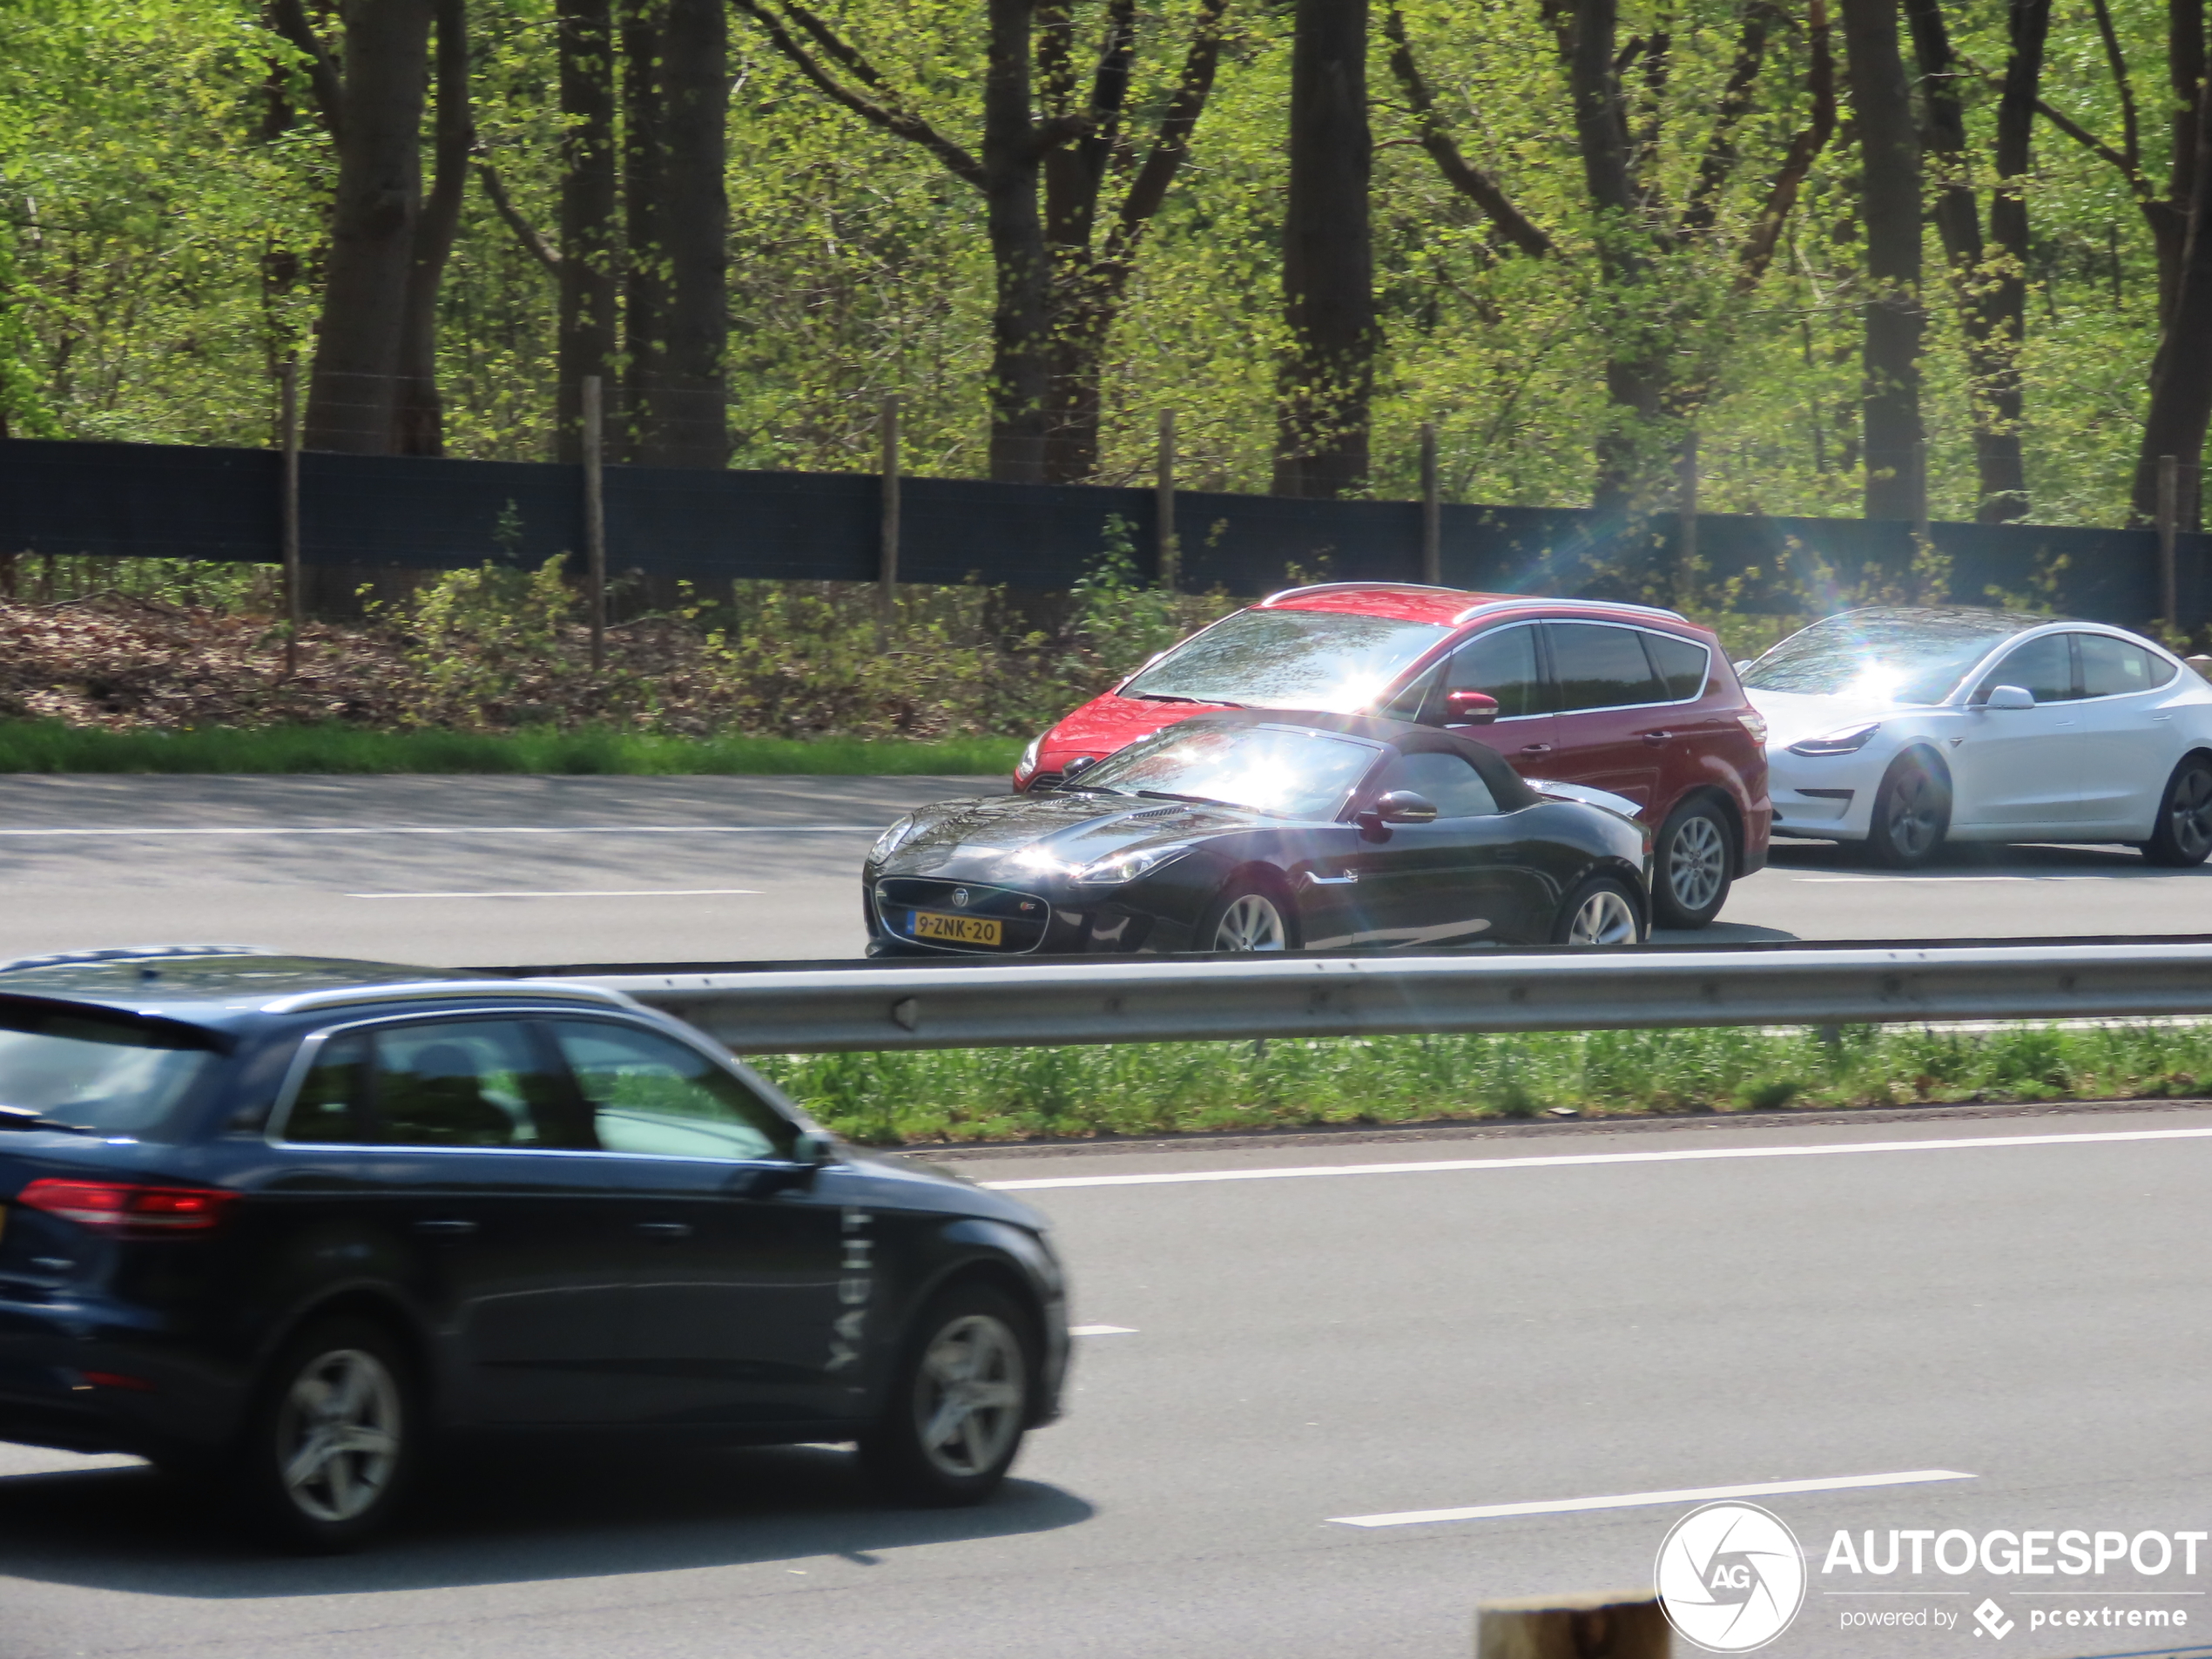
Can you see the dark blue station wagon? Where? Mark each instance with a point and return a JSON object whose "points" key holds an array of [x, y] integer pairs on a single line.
{"points": [[281, 1222]]}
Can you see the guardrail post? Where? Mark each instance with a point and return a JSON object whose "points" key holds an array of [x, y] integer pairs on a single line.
{"points": [[1432, 511], [1163, 495], [595, 518], [887, 557], [1626, 1624], [294, 600], [2169, 514]]}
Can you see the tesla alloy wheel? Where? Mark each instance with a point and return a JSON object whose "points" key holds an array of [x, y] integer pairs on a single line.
{"points": [[331, 1440], [1246, 918], [1911, 812], [1693, 859], [959, 1403], [1601, 911], [2184, 833]]}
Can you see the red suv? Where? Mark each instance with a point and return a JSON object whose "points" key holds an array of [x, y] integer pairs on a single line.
{"points": [[1622, 698]]}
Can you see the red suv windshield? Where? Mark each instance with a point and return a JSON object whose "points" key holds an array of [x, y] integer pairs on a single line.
{"points": [[1332, 660]]}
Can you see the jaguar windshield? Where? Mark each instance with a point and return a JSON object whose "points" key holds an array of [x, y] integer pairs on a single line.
{"points": [[1886, 655], [1283, 771], [1330, 660]]}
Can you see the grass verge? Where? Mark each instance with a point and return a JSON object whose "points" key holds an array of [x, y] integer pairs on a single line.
{"points": [[51, 746], [1152, 1089]]}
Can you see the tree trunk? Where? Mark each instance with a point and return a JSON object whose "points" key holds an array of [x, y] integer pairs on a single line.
{"points": [[2181, 378], [589, 238], [689, 420], [2185, 67], [353, 392], [1327, 382], [421, 411], [1889, 197], [1013, 150], [1635, 367], [645, 30], [2003, 481]]}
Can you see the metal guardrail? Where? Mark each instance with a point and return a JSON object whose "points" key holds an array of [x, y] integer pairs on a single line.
{"points": [[826, 1010]]}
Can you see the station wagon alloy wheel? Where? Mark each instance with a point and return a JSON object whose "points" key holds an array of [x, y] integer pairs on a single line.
{"points": [[339, 1435], [970, 1395]]}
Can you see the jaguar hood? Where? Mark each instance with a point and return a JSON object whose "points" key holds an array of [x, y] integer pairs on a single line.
{"points": [[1008, 836]]}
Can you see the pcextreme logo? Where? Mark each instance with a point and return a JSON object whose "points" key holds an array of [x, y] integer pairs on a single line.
{"points": [[1731, 1577]]}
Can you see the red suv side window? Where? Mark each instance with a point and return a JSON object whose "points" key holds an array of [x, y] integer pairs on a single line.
{"points": [[1601, 667], [1503, 664]]}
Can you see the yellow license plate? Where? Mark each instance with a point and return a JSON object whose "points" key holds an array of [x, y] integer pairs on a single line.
{"points": [[962, 930]]}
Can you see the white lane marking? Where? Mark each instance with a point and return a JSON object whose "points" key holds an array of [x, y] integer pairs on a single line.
{"points": [[1693, 1155], [1922, 879], [1102, 1331], [1638, 1500], [466, 829], [611, 892]]}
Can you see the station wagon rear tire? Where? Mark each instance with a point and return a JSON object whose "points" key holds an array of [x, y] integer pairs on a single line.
{"points": [[960, 1402], [1692, 864], [330, 1444]]}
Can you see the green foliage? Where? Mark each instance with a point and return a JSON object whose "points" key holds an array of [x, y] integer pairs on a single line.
{"points": [[1150, 1089]]}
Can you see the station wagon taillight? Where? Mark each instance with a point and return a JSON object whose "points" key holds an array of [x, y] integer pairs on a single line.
{"points": [[126, 1207]]}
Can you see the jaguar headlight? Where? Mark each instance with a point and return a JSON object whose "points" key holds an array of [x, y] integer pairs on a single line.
{"points": [[1125, 867], [893, 839], [1849, 741]]}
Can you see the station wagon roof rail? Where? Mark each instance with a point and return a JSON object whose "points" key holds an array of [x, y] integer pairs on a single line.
{"points": [[504, 989]]}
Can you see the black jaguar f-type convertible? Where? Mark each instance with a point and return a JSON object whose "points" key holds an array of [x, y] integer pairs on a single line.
{"points": [[1260, 830]]}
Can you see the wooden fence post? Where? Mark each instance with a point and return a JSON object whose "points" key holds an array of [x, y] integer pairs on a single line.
{"points": [[1170, 550], [1625, 1624], [1686, 520], [2169, 514], [887, 557], [595, 517], [1432, 511], [294, 602]]}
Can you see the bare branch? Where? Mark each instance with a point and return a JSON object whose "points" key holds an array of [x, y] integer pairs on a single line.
{"points": [[533, 244], [290, 19], [1172, 143], [885, 112], [2131, 143], [1789, 179], [2094, 146], [1462, 174], [1718, 165]]}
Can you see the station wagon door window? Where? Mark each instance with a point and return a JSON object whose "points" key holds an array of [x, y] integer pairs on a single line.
{"points": [[647, 1093], [461, 1083], [1601, 667], [1502, 665], [1682, 664]]}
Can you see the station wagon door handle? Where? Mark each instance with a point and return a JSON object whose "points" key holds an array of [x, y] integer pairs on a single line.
{"points": [[666, 1232], [445, 1229]]}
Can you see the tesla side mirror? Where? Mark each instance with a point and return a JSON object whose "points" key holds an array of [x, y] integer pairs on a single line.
{"points": [[2009, 697], [1469, 708]]}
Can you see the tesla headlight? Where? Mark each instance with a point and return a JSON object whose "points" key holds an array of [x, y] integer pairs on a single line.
{"points": [[1125, 867], [1027, 763], [1849, 741], [893, 839]]}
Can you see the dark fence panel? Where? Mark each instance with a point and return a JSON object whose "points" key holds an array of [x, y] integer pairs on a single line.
{"points": [[171, 501]]}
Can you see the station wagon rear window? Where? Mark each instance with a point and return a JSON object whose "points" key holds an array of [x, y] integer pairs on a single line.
{"points": [[101, 1073]]}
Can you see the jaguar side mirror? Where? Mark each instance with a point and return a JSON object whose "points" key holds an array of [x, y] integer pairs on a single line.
{"points": [[1399, 806], [2009, 697], [1469, 708]]}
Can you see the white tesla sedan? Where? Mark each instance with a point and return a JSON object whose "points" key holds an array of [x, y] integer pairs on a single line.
{"points": [[1904, 726]]}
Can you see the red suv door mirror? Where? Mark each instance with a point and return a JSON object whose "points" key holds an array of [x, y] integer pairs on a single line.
{"points": [[1469, 708]]}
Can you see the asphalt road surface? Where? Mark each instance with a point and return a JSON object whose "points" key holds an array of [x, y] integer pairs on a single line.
{"points": [[480, 871], [1975, 1321]]}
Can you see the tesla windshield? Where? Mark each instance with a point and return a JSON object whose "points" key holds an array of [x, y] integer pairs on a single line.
{"points": [[1916, 655], [1280, 770], [1289, 659], [112, 1076]]}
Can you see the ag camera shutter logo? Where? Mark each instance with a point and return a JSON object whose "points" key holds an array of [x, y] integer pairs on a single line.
{"points": [[1731, 1577]]}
